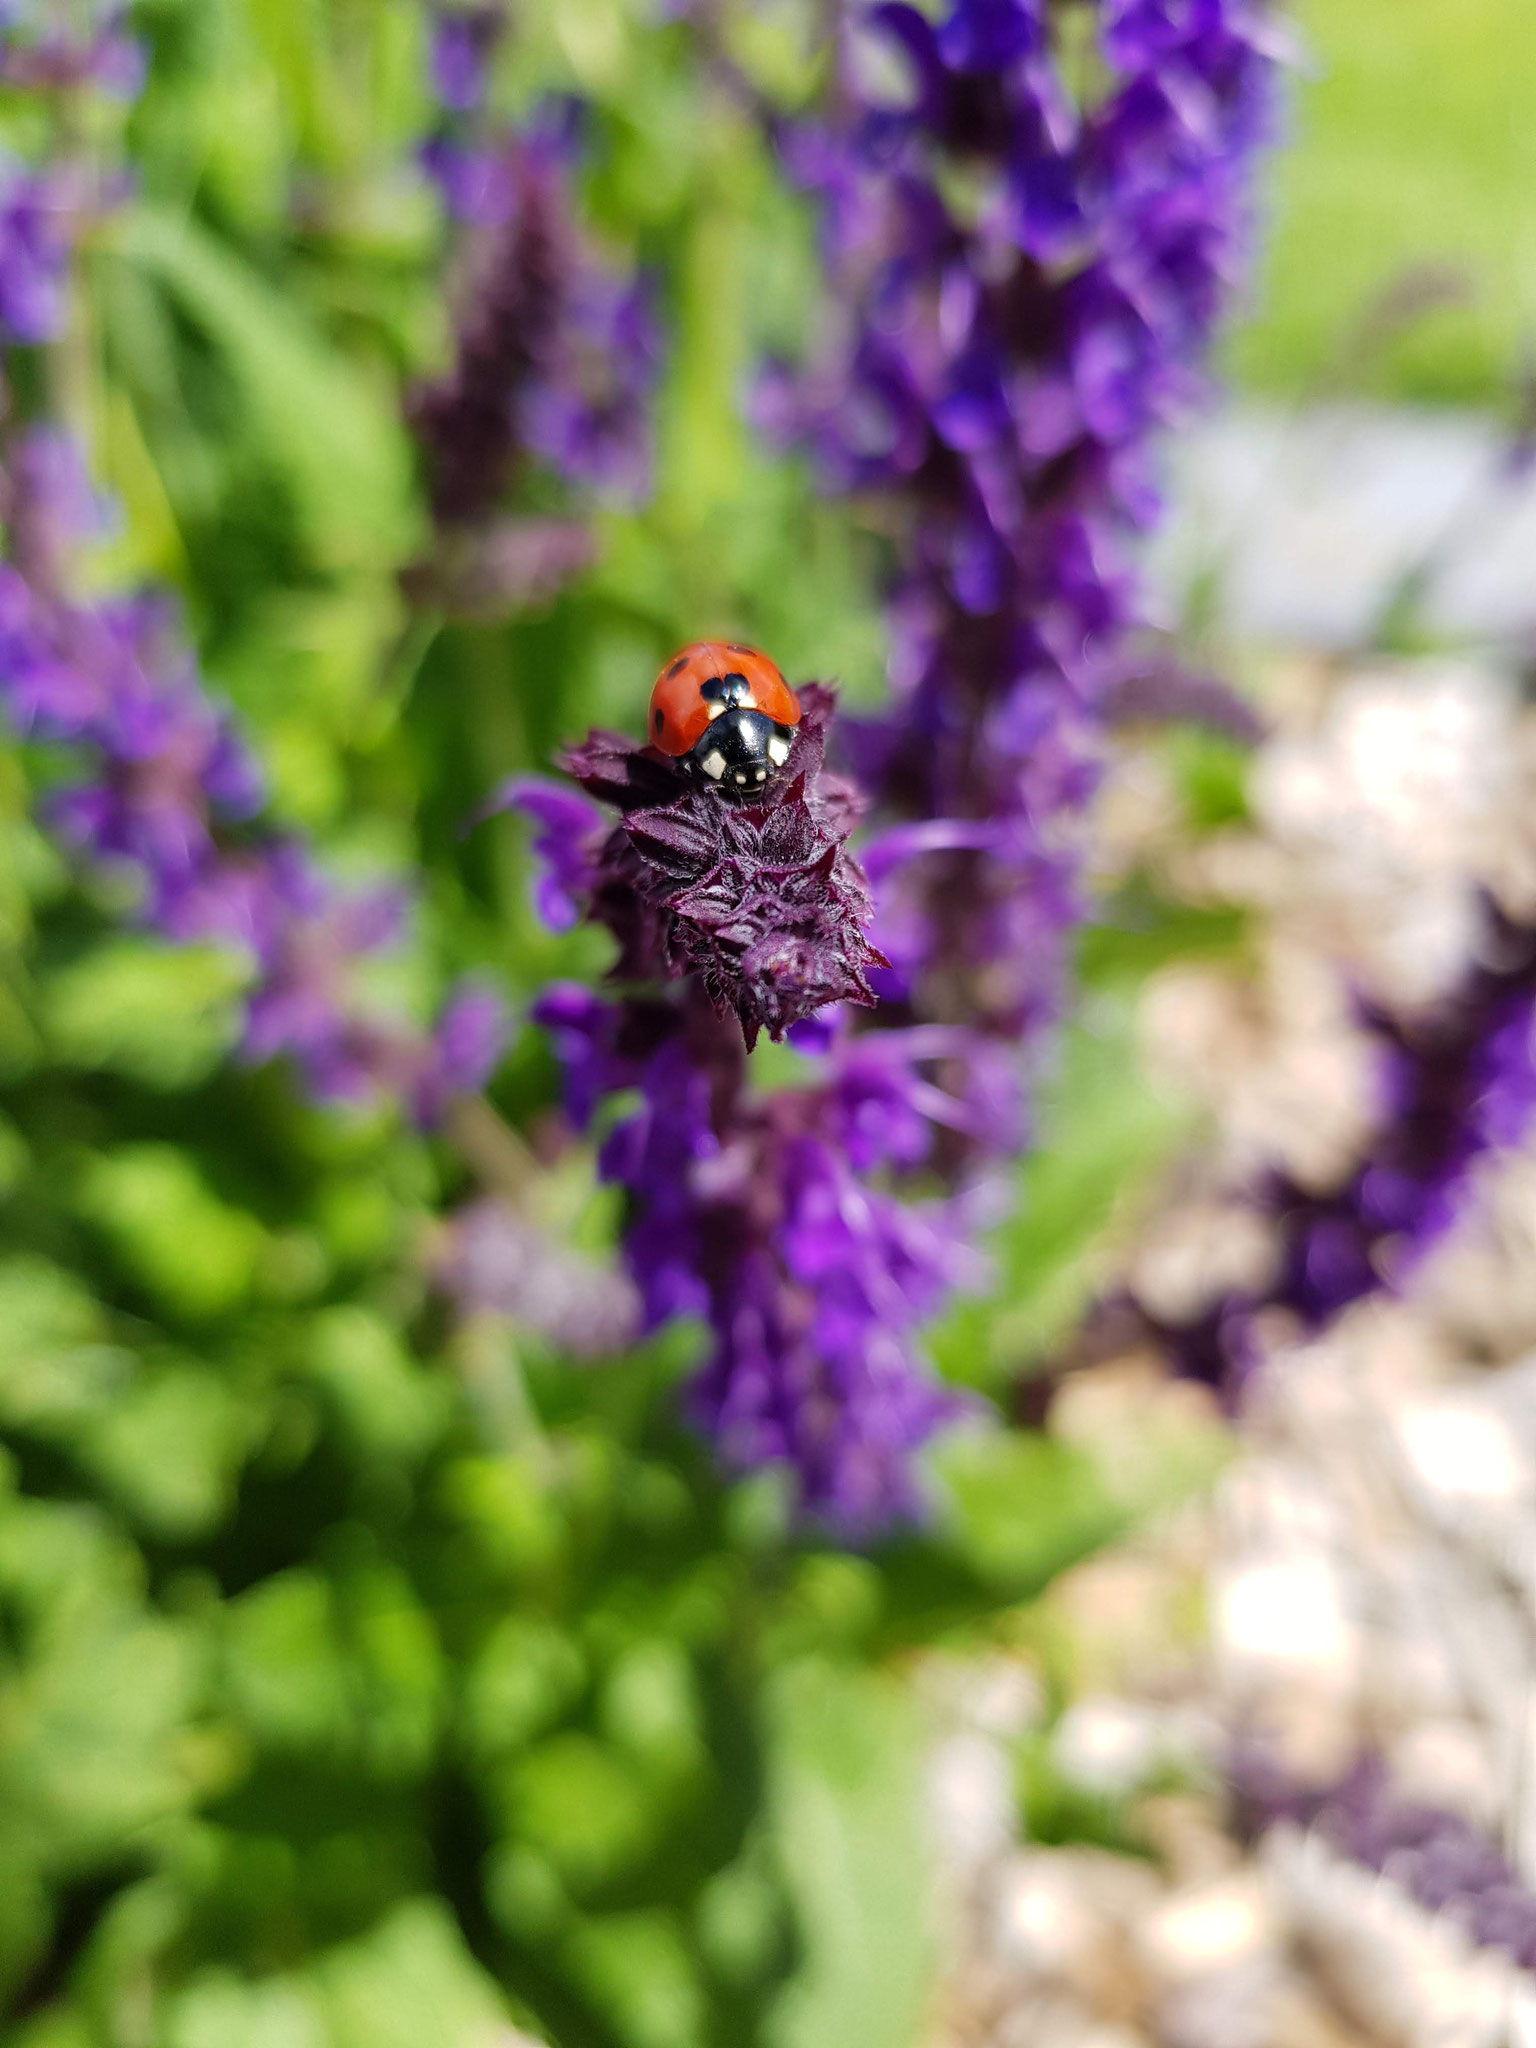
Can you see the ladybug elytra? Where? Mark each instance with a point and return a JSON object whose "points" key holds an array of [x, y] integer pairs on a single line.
{"points": [[725, 713]]}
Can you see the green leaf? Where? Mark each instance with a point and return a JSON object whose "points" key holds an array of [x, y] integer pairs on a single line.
{"points": [[56, 1368], [409, 1983], [845, 1771], [638, 1970], [388, 1404], [170, 1449], [398, 1669], [90, 1744], [582, 1804], [218, 2010], [525, 1676], [158, 1014], [284, 1669], [1104, 1131], [339, 445], [195, 1254], [1022, 1507]]}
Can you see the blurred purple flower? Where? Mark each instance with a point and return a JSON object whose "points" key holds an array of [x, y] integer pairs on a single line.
{"points": [[554, 359], [463, 40], [169, 794], [39, 54], [1433, 1855], [465, 1049], [495, 1261], [1024, 284], [1460, 1084], [35, 228]]}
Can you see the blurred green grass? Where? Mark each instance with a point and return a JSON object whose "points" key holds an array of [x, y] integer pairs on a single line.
{"points": [[1410, 144]]}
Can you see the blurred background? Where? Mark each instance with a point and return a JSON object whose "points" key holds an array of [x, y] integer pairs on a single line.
{"points": [[381, 1658]]}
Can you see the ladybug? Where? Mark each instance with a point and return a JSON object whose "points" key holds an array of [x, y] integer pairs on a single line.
{"points": [[725, 713]]}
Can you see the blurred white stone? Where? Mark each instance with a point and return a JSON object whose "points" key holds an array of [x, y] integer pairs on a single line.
{"points": [[1406, 1975], [1284, 1611], [1197, 1251], [1208, 1928], [1459, 1447], [998, 1695], [1445, 1762], [1306, 524], [1277, 1054], [1394, 811], [1413, 761], [971, 1797], [1111, 1746], [1042, 1923]]}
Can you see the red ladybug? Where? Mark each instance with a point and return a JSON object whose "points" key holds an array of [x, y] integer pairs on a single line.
{"points": [[726, 713]]}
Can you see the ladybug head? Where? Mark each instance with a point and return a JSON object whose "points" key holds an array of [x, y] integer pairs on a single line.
{"points": [[741, 749]]}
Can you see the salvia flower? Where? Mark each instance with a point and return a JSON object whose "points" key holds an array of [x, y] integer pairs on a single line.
{"points": [[555, 357], [1022, 282], [39, 53], [496, 1261], [1025, 279], [753, 1212], [747, 1212], [1435, 1856], [35, 238], [165, 794], [1459, 1084], [463, 41]]}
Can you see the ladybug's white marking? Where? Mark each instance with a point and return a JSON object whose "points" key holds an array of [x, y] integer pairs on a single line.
{"points": [[778, 751], [713, 764], [715, 708]]}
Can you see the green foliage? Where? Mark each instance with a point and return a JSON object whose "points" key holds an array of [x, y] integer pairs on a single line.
{"points": [[1409, 176], [844, 1798]]}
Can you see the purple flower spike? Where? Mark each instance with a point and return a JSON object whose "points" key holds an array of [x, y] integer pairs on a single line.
{"points": [[555, 362], [35, 223], [761, 900], [1436, 1856], [733, 916], [463, 39], [167, 793], [1024, 274], [1460, 1085], [747, 1211]]}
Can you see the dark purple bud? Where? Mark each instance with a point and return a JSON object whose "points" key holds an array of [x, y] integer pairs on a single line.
{"points": [[760, 899]]}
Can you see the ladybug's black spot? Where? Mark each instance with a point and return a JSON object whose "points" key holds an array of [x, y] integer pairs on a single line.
{"points": [[677, 667], [661, 719], [725, 689]]}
